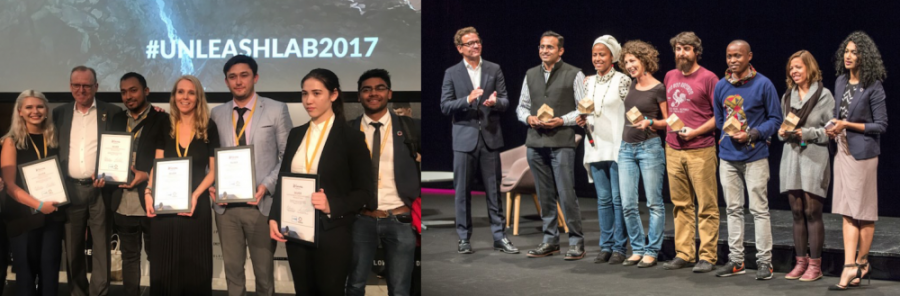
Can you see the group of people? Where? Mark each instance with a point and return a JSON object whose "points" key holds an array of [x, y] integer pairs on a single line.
{"points": [[631, 109], [367, 168]]}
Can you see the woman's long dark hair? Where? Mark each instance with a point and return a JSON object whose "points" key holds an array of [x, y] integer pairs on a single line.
{"points": [[331, 82], [871, 67]]}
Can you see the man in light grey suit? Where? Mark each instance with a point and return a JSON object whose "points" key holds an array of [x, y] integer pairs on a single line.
{"points": [[79, 125], [264, 123], [474, 96]]}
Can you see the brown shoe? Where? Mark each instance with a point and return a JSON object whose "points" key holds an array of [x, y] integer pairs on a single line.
{"points": [[814, 272], [799, 269]]}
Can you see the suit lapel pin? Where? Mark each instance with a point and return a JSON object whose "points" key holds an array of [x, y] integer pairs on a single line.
{"points": [[399, 133]]}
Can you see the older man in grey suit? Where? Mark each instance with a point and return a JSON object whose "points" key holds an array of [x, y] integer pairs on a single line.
{"points": [[79, 125], [264, 123], [474, 96]]}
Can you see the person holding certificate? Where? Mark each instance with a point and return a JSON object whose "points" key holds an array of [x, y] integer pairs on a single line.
{"points": [[35, 227], [182, 243], [263, 123], [337, 153]]}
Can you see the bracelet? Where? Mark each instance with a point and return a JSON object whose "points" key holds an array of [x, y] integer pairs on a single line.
{"points": [[39, 207]]}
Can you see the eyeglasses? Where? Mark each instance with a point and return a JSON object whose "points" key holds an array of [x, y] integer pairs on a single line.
{"points": [[369, 89], [82, 86], [470, 43]]}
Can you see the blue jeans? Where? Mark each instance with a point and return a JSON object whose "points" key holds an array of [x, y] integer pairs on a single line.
{"points": [[399, 242], [645, 159], [609, 206]]}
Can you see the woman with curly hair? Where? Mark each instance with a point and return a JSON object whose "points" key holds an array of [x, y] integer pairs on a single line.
{"points": [[859, 120], [805, 169], [641, 153]]}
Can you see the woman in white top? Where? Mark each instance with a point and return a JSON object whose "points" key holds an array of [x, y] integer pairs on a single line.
{"points": [[607, 90], [328, 147]]}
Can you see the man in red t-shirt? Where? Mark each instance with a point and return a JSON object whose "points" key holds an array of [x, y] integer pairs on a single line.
{"points": [[691, 155]]}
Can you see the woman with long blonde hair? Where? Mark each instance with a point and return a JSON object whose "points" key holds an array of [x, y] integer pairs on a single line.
{"points": [[182, 244], [34, 227]]}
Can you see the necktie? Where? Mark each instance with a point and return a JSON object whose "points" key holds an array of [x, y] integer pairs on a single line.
{"points": [[240, 125], [376, 159]]}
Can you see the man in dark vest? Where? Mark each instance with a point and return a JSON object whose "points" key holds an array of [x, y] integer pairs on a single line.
{"points": [[551, 143]]}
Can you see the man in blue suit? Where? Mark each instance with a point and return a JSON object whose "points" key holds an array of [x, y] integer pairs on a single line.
{"points": [[393, 143], [474, 96], [250, 119]]}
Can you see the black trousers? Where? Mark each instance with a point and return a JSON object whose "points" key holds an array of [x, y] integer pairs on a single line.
{"points": [[322, 270], [134, 232]]}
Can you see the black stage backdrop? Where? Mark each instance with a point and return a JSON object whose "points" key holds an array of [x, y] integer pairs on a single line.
{"points": [[511, 30]]}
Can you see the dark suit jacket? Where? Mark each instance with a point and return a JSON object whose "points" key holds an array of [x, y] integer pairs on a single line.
{"points": [[406, 169], [62, 117], [344, 173], [154, 124], [472, 120], [867, 107]]}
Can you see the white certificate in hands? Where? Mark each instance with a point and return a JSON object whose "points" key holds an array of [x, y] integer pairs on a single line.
{"points": [[114, 157], [172, 185], [235, 175], [43, 179], [299, 218]]}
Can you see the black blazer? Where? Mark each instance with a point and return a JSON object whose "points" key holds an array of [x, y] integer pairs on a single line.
{"points": [[344, 172], [62, 118], [406, 169], [473, 120], [867, 107], [155, 123]]}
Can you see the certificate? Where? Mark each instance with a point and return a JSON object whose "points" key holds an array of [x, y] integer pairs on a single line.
{"points": [[235, 174], [114, 157], [172, 185], [299, 219], [43, 180]]}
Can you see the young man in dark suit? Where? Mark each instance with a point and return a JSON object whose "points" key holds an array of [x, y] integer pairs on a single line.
{"points": [[393, 142], [474, 96], [79, 124], [143, 122]]}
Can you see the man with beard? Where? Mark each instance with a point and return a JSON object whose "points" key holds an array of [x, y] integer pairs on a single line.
{"points": [[79, 125], [748, 98], [250, 119], [691, 155], [144, 122], [474, 96], [387, 218], [551, 143]]}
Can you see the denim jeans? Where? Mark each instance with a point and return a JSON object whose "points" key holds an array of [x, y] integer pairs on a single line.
{"points": [[609, 206], [399, 242], [733, 176], [645, 159], [37, 254], [554, 175]]}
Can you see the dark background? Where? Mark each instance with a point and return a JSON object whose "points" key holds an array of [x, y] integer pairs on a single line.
{"points": [[511, 30]]}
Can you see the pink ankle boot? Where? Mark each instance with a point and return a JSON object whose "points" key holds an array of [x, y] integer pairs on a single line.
{"points": [[814, 272], [800, 268]]}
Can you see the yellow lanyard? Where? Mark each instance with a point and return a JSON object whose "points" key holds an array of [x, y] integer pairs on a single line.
{"points": [[383, 140], [36, 149], [178, 140], [246, 123], [309, 160]]}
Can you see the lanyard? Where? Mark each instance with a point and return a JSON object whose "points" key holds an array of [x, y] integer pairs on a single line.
{"points": [[309, 160], [178, 140], [36, 149], [234, 124]]}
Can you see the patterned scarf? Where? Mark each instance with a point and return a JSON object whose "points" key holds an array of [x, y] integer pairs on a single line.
{"points": [[729, 75]]}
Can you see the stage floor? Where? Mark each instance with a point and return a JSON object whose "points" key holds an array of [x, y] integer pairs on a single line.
{"points": [[493, 273]]}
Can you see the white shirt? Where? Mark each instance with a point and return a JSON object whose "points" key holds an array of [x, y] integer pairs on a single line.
{"points": [[298, 165], [83, 142], [474, 73], [608, 119], [388, 197], [247, 120]]}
